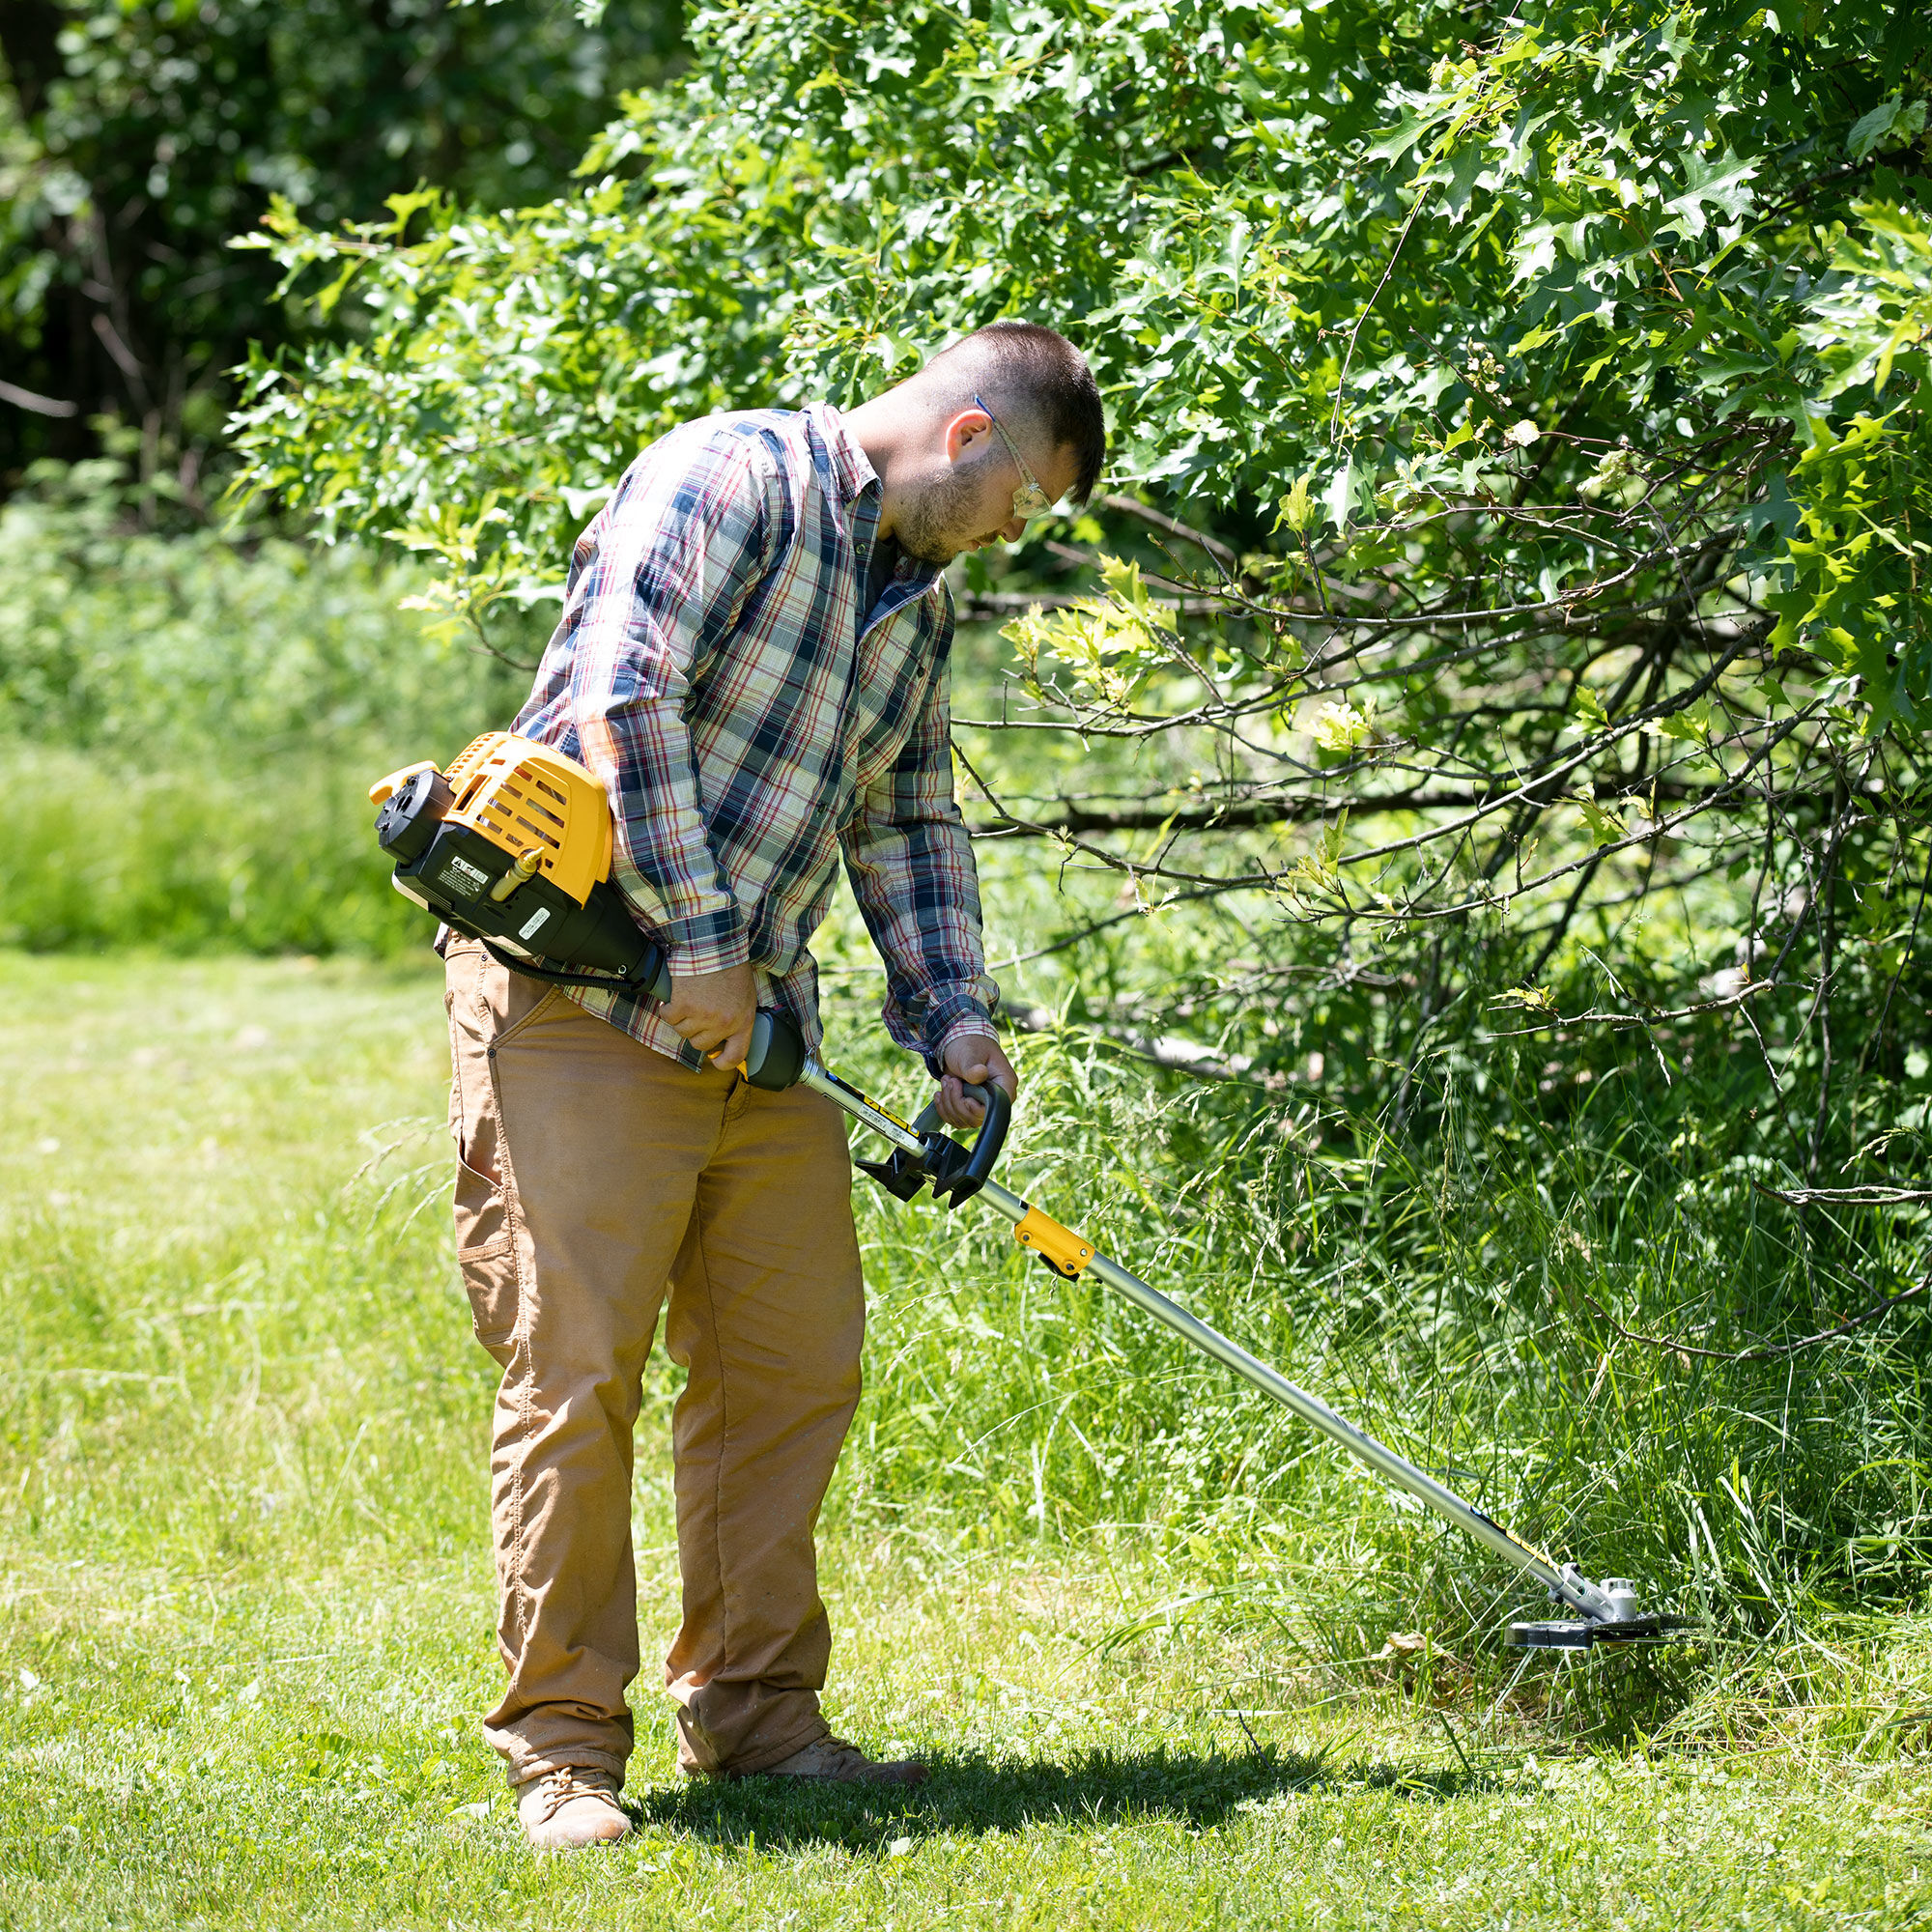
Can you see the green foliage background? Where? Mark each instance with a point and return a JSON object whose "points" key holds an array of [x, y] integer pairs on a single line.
{"points": [[138, 136], [1281, 234], [188, 728]]}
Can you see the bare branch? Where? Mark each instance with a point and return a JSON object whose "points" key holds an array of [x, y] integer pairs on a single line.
{"points": [[1763, 1354], [1847, 1197], [1127, 506]]}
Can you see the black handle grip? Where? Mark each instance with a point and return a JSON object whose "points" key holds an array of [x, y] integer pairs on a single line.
{"points": [[987, 1142], [958, 1174], [776, 1055], [653, 972]]}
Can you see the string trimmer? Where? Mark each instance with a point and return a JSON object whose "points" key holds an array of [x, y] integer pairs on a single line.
{"points": [[512, 846]]}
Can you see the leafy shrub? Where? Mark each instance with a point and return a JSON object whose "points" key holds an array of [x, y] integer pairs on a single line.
{"points": [[1520, 617]]}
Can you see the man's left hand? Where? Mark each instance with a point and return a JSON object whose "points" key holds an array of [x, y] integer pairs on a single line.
{"points": [[972, 1058]]}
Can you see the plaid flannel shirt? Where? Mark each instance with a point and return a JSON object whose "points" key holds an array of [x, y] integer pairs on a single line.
{"points": [[750, 720]]}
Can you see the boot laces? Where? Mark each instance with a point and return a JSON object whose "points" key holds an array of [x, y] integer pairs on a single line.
{"points": [[573, 1780]]}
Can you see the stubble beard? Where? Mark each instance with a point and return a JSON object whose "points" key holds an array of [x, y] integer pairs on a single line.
{"points": [[929, 525]]}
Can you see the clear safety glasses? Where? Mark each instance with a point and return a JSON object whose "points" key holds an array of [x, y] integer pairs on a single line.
{"points": [[1029, 500]]}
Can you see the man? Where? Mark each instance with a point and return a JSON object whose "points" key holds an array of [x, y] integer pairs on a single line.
{"points": [[752, 658]]}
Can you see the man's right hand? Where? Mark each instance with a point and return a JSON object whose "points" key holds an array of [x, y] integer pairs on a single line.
{"points": [[715, 1010]]}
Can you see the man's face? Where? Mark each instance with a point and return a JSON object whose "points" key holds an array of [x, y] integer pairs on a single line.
{"points": [[966, 499]]}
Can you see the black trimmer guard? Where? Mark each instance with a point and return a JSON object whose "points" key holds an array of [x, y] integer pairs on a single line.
{"points": [[1581, 1632]]}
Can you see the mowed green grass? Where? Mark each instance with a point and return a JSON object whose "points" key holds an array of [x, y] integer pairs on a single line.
{"points": [[246, 1607]]}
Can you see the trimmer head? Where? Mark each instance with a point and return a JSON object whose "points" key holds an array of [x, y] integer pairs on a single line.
{"points": [[1621, 1625]]}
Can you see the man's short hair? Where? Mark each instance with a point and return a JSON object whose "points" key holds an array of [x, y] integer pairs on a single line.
{"points": [[1034, 374]]}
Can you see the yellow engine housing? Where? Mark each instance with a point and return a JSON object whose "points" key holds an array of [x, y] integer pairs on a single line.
{"points": [[526, 797]]}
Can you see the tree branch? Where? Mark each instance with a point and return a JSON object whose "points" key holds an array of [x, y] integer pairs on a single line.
{"points": [[1763, 1354], [1127, 506], [1869, 1195]]}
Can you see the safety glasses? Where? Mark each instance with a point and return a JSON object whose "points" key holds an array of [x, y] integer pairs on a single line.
{"points": [[1029, 500]]}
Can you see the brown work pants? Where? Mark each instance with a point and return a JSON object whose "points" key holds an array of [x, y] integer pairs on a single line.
{"points": [[593, 1175]]}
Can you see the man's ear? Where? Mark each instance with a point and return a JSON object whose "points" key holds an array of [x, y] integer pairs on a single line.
{"points": [[966, 431]]}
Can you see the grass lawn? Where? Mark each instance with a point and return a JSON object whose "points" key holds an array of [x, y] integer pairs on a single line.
{"points": [[246, 1607]]}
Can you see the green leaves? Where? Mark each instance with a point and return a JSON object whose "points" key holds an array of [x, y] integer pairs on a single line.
{"points": [[1297, 507], [881, 179], [138, 136], [1878, 305], [1112, 644], [1891, 124], [1606, 828], [1855, 576], [1721, 184], [1691, 726], [1341, 729], [1590, 708], [1856, 571]]}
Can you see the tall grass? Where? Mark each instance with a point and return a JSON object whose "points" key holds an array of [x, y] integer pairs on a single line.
{"points": [[105, 853], [189, 726], [1458, 1300]]}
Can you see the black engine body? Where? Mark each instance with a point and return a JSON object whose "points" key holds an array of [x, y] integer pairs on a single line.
{"points": [[450, 870]]}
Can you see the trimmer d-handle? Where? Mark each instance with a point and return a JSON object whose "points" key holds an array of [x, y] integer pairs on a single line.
{"points": [[956, 1173], [922, 1152]]}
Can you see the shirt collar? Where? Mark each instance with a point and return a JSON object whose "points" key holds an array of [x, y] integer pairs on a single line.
{"points": [[856, 477], [850, 463]]}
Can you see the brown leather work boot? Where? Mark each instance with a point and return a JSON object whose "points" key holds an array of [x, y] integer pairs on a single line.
{"points": [[836, 1762], [569, 1808]]}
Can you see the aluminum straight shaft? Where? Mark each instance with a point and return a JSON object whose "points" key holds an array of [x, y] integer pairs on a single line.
{"points": [[1565, 1582], [866, 1112], [1382, 1459]]}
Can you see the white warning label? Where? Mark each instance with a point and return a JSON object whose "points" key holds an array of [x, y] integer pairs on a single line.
{"points": [[461, 877]]}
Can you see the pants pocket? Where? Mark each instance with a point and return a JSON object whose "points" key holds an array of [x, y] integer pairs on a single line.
{"points": [[480, 1206], [490, 1280]]}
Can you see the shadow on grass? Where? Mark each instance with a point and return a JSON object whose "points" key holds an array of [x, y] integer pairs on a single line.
{"points": [[972, 1794]]}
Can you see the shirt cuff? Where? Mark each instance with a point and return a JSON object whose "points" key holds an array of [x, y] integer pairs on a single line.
{"points": [[955, 1018], [968, 1029]]}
